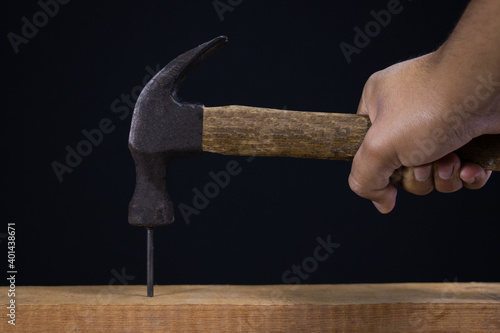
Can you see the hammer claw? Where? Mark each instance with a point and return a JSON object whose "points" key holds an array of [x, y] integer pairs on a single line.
{"points": [[163, 129]]}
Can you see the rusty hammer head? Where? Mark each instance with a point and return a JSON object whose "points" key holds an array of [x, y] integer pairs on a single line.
{"points": [[162, 129]]}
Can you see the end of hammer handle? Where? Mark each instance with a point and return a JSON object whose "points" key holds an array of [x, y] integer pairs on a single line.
{"points": [[483, 150]]}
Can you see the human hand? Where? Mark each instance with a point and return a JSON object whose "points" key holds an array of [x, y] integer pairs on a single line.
{"points": [[418, 115]]}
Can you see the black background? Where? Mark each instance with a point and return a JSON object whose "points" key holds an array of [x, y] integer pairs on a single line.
{"points": [[281, 54]]}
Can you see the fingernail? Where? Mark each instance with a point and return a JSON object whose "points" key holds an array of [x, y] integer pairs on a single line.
{"points": [[469, 181], [422, 173], [445, 173]]}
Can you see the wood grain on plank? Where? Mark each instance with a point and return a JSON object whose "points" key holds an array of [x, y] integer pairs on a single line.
{"points": [[409, 307]]}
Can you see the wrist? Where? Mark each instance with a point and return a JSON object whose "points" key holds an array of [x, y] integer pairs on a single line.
{"points": [[469, 86]]}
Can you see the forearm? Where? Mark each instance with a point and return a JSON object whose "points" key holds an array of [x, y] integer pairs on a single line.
{"points": [[476, 38], [471, 56]]}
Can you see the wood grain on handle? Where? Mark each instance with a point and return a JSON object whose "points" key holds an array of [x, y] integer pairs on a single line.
{"points": [[250, 131]]}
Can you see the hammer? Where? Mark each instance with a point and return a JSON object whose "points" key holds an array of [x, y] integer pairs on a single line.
{"points": [[163, 128]]}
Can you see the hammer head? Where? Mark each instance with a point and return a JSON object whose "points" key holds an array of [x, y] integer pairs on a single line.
{"points": [[162, 129]]}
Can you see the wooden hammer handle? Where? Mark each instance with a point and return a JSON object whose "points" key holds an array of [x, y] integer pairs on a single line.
{"points": [[250, 131]]}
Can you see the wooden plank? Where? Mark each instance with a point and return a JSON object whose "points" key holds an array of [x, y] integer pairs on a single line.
{"points": [[409, 307]]}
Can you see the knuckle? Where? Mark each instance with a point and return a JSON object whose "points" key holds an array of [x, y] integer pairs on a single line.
{"points": [[357, 187], [353, 183], [376, 146]]}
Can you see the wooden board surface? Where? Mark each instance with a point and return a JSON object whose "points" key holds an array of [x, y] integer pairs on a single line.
{"points": [[409, 307]]}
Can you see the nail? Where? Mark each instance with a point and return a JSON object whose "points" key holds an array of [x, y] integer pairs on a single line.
{"points": [[469, 181], [445, 173], [422, 173]]}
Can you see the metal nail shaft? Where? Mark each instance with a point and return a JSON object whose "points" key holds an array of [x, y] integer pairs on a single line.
{"points": [[150, 263]]}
